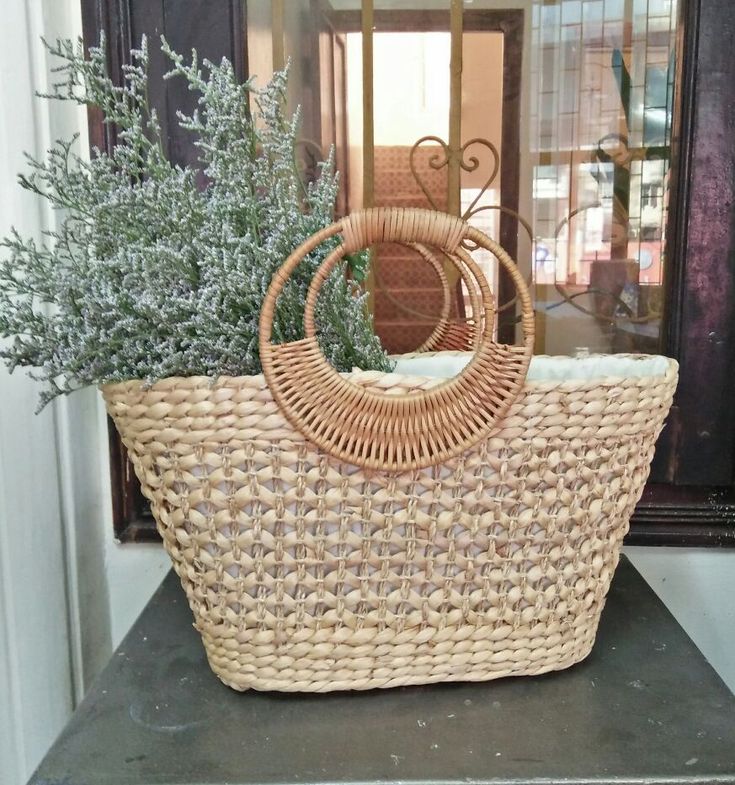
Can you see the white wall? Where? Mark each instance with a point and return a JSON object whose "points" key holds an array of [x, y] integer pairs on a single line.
{"points": [[110, 582], [68, 592], [35, 657]]}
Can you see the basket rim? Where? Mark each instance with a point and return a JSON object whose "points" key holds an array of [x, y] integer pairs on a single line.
{"points": [[400, 379]]}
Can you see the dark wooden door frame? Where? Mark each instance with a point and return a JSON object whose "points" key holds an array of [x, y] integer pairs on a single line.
{"points": [[701, 318], [186, 24], [696, 503]]}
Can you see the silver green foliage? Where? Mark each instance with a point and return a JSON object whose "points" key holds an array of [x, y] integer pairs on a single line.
{"points": [[151, 274]]}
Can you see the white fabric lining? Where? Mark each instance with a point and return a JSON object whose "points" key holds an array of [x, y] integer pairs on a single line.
{"points": [[443, 365]]}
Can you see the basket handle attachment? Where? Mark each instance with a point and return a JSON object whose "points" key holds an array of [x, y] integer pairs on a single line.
{"points": [[394, 432]]}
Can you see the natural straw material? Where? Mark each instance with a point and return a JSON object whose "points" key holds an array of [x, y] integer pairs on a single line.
{"points": [[305, 572], [398, 432]]}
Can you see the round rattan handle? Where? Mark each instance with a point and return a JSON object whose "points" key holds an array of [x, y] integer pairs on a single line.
{"points": [[393, 432]]}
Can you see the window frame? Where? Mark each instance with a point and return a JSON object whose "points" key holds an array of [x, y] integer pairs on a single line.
{"points": [[691, 499]]}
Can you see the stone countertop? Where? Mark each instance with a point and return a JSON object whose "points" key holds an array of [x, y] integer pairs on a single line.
{"points": [[644, 707]]}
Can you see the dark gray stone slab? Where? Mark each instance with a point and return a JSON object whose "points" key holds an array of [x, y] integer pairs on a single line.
{"points": [[645, 707]]}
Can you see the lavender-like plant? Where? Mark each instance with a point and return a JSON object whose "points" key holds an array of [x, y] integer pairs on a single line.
{"points": [[149, 274]]}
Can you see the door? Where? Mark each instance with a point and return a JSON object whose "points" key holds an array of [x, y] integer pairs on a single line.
{"points": [[433, 121]]}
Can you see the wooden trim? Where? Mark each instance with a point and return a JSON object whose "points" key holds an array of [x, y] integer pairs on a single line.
{"points": [[239, 37], [511, 24], [670, 515], [341, 129], [454, 159], [278, 34], [681, 158], [368, 120], [701, 533], [701, 298], [110, 18], [665, 462], [123, 22], [132, 519]]}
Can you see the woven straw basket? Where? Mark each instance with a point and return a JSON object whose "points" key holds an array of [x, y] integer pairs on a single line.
{"points": [[349, 531]]}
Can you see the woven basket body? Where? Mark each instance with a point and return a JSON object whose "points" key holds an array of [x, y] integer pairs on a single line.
{"points": [[305, 572]]}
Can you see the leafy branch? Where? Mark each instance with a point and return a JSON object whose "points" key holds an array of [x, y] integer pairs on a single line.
{"points": [[147, 273]]}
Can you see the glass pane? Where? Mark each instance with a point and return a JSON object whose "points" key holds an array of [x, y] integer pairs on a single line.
{"points": [[556, 142], [482, 136], [407, 163], [601, 109], [290, 33]]}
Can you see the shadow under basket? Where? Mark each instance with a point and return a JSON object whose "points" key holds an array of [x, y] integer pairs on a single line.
{"points": [[306, 573]]}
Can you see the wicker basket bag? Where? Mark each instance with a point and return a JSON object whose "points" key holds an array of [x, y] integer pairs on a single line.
{"points": [[348, 531]]}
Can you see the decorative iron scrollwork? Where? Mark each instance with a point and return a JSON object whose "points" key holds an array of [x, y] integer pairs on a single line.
{"points": [[438, 161]]}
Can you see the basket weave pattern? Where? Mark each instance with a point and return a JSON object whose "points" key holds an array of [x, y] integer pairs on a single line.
{"points": [[307, 573]]}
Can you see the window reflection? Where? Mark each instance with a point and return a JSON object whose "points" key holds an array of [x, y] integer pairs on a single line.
{"points": [[581, 132], [602, 93]]}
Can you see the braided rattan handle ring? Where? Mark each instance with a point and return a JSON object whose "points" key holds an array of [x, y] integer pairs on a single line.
{"points": [[393, 432]]}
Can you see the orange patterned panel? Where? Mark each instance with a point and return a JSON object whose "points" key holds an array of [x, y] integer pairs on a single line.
{"points": [[407, 280]]}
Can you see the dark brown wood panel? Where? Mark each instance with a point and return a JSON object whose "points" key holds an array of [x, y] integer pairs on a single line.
{"points": [[684, 515], [510, 23], [692, 500], [701, 311]]}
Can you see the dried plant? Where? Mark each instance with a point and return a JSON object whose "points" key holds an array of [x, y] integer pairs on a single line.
{"points": [[148, 274]]}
